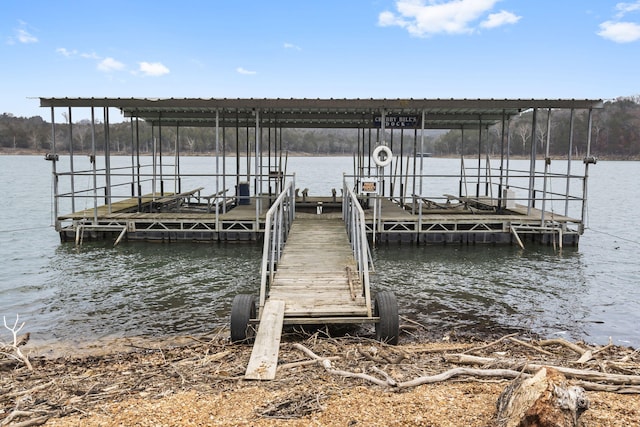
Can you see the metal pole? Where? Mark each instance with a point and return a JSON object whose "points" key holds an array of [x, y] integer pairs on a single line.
{"points": [[154, 160], [257, 186], [138, 164], [217, 151], [415, 153], [72, 176], [421, 149], [224, 170], [237, 151], [176, 167], [381, 172], [479, 157], [547, 163], [391, 165], [369, 153], [532, 162], [568, 188], [160, 156], [93, 162], [463, 172], [502, 140], [107, 158], [586, 172], [54, 170], [508, 152], [133, 161]]}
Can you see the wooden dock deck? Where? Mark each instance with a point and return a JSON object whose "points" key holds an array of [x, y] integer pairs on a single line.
{"points": [[396, 224]]}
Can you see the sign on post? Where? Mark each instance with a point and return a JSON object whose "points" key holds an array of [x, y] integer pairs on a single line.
{"points": [[369, 186]]}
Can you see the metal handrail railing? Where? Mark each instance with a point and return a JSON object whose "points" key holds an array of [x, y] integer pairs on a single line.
{"points": [[276, 229], [353, 216]]}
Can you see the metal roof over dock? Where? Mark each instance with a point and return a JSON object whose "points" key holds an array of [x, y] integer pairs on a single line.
{"points": [[319, 113]]}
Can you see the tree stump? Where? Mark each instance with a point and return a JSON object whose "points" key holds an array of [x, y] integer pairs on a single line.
{"points": [[544, 400]]}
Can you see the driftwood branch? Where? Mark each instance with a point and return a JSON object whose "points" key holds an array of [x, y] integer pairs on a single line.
{"points": [[580, 374], [17, 342], [531, 346], [491, 344], [564, 343], [390, 382]]}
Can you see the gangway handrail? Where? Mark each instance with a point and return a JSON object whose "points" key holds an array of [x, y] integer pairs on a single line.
{"points": [[353, 216], [277, 224]]}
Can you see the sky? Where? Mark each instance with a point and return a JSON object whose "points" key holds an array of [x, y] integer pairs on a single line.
{"points": [[316, 49]]}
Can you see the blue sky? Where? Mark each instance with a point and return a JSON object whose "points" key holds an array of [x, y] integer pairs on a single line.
{"points": [[317, 49]]}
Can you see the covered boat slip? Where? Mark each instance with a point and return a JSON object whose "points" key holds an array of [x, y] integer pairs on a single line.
{"points": [[151, 195]]}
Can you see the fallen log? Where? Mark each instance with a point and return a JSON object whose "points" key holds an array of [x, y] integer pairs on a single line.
{"points": [[544, 400]]}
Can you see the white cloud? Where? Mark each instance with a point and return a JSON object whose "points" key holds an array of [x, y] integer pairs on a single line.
{"points": [[499, 19], [620, 32], [292, 46], [91, 55], [24, 36], [624, 8], [427, 17], [109, 64], [153, 69], [21, 35], [66, 52], [245, 71]]}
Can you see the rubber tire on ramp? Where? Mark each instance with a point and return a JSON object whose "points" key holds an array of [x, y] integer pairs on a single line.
{"points": [[386, 307], [243, 309]]}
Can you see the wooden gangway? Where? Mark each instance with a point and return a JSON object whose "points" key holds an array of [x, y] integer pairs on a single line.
{"points": [[315, 282], [315, 270], [316, 273]]}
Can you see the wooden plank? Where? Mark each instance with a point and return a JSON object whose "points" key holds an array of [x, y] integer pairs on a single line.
{"points": [[264, 356]]}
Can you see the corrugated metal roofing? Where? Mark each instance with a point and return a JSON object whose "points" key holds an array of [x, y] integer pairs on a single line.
{"points": [[318, 113]]}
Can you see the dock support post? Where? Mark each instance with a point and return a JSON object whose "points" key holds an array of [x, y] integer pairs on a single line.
{"points": [[547, 163], [586, 171], [532, 163], [94, 167], [56, 201]]}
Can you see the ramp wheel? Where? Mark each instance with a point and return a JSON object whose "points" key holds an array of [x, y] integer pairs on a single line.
{"points": [[243, 309], [386, 307]]}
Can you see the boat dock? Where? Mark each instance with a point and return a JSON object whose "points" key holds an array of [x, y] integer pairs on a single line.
{"points": [[487, 200]]}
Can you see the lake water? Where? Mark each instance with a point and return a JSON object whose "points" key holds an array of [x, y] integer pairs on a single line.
{"points": [[69, 294]]}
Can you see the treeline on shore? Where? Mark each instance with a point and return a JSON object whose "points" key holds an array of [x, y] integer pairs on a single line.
{"points": [[615, 133]]}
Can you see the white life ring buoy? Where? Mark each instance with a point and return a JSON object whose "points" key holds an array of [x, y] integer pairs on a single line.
{"points": [[382, 155]]}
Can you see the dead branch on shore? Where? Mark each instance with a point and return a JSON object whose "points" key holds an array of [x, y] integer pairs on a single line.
{"points": [[625, 383], [13, 350]]}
